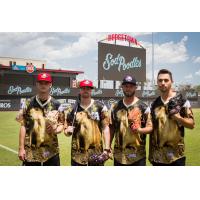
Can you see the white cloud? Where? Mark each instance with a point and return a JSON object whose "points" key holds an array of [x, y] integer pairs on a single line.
{"points": [[52, 47], [197, 73], [57, 48], [85, 43], [189, 76], [196, 59], [140, 33], [167, 53], [26, 45]]}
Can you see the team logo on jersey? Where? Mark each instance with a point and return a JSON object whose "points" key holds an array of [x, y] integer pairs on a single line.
{"points": [[95, 116]]}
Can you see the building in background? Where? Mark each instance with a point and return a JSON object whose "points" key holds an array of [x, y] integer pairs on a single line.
{"points": [[18, 81]]}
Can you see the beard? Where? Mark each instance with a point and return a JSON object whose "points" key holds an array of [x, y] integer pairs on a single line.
{"points": [[163, 89], [129, 94], [85, 95]]}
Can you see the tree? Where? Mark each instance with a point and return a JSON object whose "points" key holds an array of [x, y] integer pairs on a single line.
{"points": [[197, 88]]}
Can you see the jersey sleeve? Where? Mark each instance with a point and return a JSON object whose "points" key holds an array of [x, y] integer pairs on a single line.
{"points": [[187, 104], [105, 116], [147, 117], [147, 111], [188, 110], [22, 112]]}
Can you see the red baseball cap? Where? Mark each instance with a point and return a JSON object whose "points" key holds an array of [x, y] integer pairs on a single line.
{"points": [[44, 77], [86, 83]]}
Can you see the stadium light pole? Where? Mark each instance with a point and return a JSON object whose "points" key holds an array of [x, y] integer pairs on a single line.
{"points": [[152, 60]]}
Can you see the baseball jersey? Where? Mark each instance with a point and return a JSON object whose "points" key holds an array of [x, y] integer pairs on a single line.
{"points": [[129, 147], [167, 140], [39, 145], [87, 136]]}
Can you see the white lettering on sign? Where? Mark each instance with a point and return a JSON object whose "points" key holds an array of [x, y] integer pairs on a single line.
{"points": [[57, 91], [19, 90], [191, 94], [71, 101], [5, 105], [119, 93], [123, 37], [120, 62], [94, 93]]}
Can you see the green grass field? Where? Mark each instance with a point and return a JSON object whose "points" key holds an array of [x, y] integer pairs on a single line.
{"points": [[9, 131]]}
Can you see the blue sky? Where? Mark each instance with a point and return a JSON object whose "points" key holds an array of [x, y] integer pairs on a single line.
{"points": [[176, 51]]}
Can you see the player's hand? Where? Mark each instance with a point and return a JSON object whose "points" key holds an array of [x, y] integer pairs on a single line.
{"points": [[176, 117], [19, 116], [134, 129], [69, 130], [108, 152], [50, 129], [22, 154]]}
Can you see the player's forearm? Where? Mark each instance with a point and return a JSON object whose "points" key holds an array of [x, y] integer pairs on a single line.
{"points": [[22, 134], [111, 133], [145, 130], [186, 122], [106, 134]]}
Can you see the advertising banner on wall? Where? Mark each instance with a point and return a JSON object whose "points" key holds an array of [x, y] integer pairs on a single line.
{"points": [[115, 61], [18, 90], [9, 104], [30, 68]]}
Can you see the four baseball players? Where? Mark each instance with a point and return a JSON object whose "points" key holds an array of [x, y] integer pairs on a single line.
{"points": [[93, 127]]}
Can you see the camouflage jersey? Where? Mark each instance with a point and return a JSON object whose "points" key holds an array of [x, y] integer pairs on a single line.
{"points": [[87, 135], [167, 139], [127, 147], [39, 145]]}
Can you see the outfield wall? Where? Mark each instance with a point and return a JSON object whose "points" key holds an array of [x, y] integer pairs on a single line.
{"points": [[68, 96]]}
